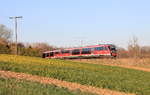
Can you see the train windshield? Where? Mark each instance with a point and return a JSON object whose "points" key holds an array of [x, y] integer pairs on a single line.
{"points": [[112, 48]]}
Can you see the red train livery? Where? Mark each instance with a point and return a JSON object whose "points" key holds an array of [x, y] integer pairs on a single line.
{"points": [[93, 51]]}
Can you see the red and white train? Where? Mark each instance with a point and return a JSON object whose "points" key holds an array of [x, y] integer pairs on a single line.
{"points": [[93, 51]]}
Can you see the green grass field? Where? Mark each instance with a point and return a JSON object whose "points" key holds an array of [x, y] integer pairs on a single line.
{"points": [[22, 87], [114, 78]]}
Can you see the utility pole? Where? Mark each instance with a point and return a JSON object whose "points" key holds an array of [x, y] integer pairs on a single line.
{"points": [[15, 19]]}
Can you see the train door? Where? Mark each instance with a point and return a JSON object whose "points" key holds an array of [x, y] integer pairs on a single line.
{"points": [[98, 50], [57, 54]]}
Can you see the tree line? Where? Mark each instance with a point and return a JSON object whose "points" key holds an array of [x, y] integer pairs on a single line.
{"points": [[7, 46], [134, 50]]}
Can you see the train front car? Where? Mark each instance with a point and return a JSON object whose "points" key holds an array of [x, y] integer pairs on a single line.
{"points": [[113, 50]]}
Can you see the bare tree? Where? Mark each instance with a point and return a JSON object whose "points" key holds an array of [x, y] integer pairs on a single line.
{"points": [[145, 51], [42, 46], [134, 48], [5, 33], [3, 41]]}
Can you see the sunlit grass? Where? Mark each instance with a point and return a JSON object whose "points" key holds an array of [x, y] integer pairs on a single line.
{"points": [[21, 87]]}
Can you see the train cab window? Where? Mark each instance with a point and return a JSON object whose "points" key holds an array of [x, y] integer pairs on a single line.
{"points": [[112, 48], [75, 51], [51, 53], [86, 51]]}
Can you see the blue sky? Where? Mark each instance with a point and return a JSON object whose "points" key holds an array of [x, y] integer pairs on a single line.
{"points": [[67, 23]]}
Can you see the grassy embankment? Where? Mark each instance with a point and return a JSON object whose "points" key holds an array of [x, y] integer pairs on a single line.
{"points": [[114, 78]]}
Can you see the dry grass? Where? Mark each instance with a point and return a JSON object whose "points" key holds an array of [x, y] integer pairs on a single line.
{"points": [[133, 63]]}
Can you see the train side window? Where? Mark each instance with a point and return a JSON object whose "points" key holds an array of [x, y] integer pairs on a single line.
{"points": [[46, 54], [57, 52], [65, 51], [98, 48], [105, 48], [75, 51], [86, 51], [51, 53]]}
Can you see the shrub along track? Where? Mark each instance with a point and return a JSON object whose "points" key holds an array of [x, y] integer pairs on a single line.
{"points": [[60, 83]]}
